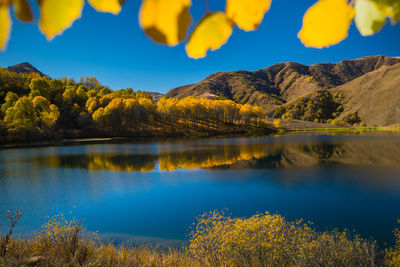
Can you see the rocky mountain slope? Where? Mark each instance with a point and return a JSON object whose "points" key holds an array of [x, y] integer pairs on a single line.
{"points": [[363, 82], [24, 68], [154, 95]]}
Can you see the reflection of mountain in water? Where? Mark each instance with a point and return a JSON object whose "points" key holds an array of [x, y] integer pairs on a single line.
{"points": [[241, 156], [342, 154]]}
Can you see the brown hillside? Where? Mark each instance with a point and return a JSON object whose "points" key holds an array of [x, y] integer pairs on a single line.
{"points": [[154, 95], [375, 96], [281, 83]]}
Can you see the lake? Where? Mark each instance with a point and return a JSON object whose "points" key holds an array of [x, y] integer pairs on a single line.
{"points": [[152, 190]]}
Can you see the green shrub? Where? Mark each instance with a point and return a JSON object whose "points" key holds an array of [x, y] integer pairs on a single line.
{"points": [[352, 118], [320, 106]]}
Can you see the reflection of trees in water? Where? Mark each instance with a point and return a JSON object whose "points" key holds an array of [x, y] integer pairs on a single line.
{"points": [[213, 156], [103, 162], [193, 159], [239, 156]]}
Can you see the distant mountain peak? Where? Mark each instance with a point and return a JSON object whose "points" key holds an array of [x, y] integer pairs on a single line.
{"points": [[24, 67], [155, 95]]}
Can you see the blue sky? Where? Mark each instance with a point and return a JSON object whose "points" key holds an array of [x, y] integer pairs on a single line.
{"points": [[117, 52]]}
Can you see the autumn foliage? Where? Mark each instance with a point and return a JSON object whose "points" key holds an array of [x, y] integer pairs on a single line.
{"points": [[216, 240], [325, 23], [270, 240], [39, 108]]}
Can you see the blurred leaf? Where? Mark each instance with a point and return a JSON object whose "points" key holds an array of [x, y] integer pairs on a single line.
{"points": [[5, 26], [247, 15], [23, 10], [5, 2], [110, 6], [165, 21], [211, 33], [326, 23], [390, 8], [58, 15], [369, 19]]}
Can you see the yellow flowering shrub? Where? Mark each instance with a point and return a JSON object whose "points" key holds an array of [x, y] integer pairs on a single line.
{"points": [[278, 123], [61, 239], [270, 240], [216, 240], [393, 254]]}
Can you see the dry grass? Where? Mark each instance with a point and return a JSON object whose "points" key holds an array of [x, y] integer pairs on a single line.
{"points": [[217, 240]]}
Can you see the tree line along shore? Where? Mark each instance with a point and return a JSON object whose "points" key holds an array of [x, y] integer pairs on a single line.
{"points": [[35, 107]]}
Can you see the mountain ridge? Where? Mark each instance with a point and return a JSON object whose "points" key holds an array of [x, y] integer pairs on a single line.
{"points": [[293, 84], [24, 67], [281, 82], [366, 92]]}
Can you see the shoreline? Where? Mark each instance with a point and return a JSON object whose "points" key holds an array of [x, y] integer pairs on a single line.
{"points": [[105, 140]]}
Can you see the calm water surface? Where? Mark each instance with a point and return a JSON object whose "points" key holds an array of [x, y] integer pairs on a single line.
{"points": [[153, 190]]}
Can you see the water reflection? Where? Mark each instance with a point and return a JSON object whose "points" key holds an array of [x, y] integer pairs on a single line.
{"points": [[157, 188], [254, 155], [95, 162]]}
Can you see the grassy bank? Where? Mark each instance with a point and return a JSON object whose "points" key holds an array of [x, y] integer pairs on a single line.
{"points": [[216, 240], [346, 129]]}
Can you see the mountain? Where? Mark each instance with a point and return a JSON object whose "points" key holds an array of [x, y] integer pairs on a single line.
{"points": [[375, 96], [361, 90], [282, 82], [24, 68], [154, 95], [285, 84]]}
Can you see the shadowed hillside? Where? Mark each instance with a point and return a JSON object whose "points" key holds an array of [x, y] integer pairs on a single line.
{"points": [[25, 68]]}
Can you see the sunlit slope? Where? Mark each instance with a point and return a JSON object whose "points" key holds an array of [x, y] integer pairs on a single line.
{"points": [[375, 96], [281, 83]]}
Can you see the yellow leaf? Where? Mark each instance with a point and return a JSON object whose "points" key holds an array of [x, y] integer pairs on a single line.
{"points": [[165, 21], [369, 19], [247, 14], [23, 10], [390, 8], [58, 15], [110, 6], [326, 23], [5, 26], [211, 33]]}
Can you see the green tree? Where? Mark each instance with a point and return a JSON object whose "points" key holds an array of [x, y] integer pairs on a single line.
{"points": [[20, 120], [46, 115], [10, 100], [40, 87]]}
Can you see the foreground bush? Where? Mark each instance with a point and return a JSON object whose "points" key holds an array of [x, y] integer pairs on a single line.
{"points": [[216, 240], [65, 243], [270, 240], [393, 254]]}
